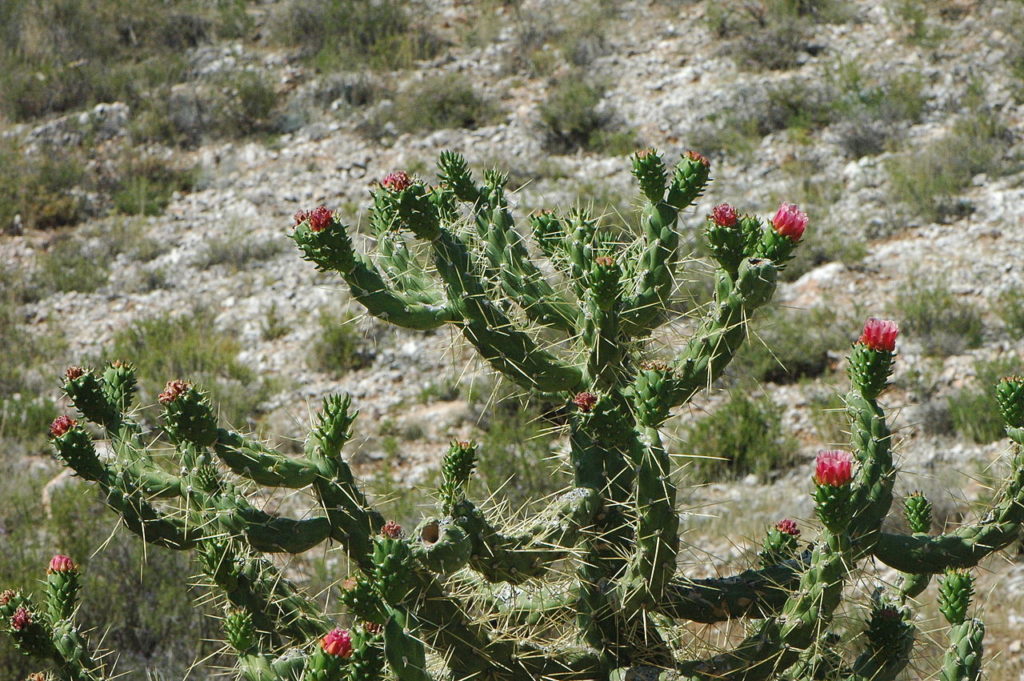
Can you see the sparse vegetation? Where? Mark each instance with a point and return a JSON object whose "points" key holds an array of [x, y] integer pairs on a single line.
{"points": [[1010, 308], [928, 181], [933, 316], [446, 101], [573, 119], [789, 345], [339, 348], [742, 436]]}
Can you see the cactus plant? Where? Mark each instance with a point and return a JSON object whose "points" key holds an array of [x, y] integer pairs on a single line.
{"points": [[589, 588]]}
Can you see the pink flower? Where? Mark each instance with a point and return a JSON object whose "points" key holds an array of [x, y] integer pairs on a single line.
{"points": [[396, 181], [787, 526], [61, 563], [724, 215], [172, 391], [585, 402], [880, 334], [74, 372], [391, 529], [699, 158], [21, 620], [61, 425], [833, 468], [790, 221], [338, 643], [320, 218]]}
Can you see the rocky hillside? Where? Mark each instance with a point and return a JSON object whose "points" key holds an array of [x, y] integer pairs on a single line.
{"points": [[151, 221]]}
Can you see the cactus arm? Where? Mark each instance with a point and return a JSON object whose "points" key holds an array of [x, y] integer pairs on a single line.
{"points": [[750, 594], [657, 535], [962, 661], [722, 333], [331, 249], [514, 558], [872, 487], [507, 349], [257, 462], [655, 271], [967, 545], [273, 534]]}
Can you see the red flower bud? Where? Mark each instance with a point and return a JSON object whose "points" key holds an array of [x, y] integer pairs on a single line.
{"points": [[372, 627], [320, 218], [5, 597], [396, 181], [787, 526], [300, 217], [61, 425], [790, 221], [391, 529], [21, 620], [338, 643], [585, 401], [172, 391], [699, 158], [61, 563], [833, 468], [724, 215], [74, 372], [605, 260], [880, 334]]}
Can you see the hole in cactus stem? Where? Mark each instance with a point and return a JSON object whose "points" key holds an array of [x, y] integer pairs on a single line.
{"points": [[430, 533]]}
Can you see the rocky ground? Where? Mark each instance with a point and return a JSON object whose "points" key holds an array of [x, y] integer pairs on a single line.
{"points": [[671, 74]]}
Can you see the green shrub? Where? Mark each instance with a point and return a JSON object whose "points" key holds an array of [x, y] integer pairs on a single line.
{"points": [[1010, 308], [446, 101], [236, 249], [573, 120], [339, 348], [929, 180], [974, 410], [931, 315], [246, 105], [70, 265], [190, 347], [39, 187], [788, 345], [742, 436], [336, 35], [146, 183]]}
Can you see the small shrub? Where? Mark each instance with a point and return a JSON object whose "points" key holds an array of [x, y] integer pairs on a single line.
{"points": [[932, 316], [871, 112], [974, 411], [190, 347], [447, 101], [246, 105], [70, 265], [742, 436], [573, 119], [273, 326], [338, 34], [339, 348], [789, 345], [928, 180], [40, 188], [235, 250], [1010, 308], [920, 29], [146, 184]]}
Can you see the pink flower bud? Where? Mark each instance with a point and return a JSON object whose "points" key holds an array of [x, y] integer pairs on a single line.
{"points": [[61, 563], [585, 401], [396, 181], [787, 526], [833, 468], [338, 643], [391, 529], [21, 620], [880, 334], [74, 372], [61, 425], [699, 158], [5, 597], [724, 215], [320, 218], [172, 391], [790, 221], [301, 216]]}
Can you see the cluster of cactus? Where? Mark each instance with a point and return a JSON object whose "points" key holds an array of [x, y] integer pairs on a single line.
{"points": [[590, 588]]}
